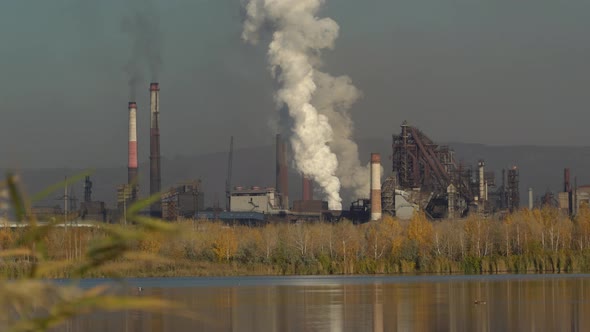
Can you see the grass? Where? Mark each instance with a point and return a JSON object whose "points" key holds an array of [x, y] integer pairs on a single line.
{"points": [[30, 255]]}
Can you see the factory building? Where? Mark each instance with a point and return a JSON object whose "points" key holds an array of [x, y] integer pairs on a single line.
{"points": [[582, 196], [184, 200], [573, 197], [254, 199], [46, 213]]}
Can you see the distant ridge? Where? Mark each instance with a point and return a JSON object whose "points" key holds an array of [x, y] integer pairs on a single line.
{"points": [[541, 167]]}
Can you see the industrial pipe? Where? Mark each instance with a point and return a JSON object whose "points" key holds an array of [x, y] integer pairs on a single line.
{"points": [[307, 189], [282, 181], [132, 150], [375, 186], [155, 179]]}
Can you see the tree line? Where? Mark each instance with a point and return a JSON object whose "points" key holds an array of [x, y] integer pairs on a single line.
{"points": [[541, 240]]}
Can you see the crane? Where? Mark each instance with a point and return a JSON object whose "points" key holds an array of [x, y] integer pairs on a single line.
{"points": [[229, 174]]}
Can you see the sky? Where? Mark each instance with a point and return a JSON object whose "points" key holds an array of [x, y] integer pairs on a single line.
{"points": [[499, 72]]}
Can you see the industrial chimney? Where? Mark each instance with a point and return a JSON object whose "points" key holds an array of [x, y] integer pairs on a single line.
{"points": [[132, 157], [568, 189], [307, 187], [282, 181], [155, 180], [482, 185], [375, 186]]}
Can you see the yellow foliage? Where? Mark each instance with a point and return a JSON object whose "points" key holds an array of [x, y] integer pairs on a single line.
{"points": [[225, 244], [151, 244], [420, 230], [477, 232], [583, 226], [6, 238]]}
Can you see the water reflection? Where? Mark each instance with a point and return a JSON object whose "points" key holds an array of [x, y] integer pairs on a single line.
{"points": [[518, 304]]}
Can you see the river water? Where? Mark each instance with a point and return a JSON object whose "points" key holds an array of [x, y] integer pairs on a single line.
{"points": [[359, 303]]}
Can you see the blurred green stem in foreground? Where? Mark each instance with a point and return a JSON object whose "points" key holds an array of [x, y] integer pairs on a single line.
{"points": [[28, 302]]}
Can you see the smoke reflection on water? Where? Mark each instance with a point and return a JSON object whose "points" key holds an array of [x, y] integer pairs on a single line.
{"points": [[502, 303]]}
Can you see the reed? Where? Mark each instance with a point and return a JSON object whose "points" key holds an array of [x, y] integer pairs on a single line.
{"points": [[34, 252]]}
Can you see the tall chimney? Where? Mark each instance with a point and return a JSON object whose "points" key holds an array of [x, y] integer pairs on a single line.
{"points": [[307, 187], [282, 181], [132, 156], [482, 185], [375, 186], [566, 180], [531, 199], [568, 189], [155, 180]]}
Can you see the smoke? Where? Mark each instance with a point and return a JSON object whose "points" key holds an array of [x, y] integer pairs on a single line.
{"points": [[298, 38], [143, 28], [318, 103], [333, 98]]}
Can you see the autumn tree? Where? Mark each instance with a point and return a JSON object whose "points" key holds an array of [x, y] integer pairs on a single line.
{"points": [[421, 232], [447, 238], [225, 244], [268, 240], [583, 227], [347, 244], [300, 238], [383, 237], [376, 240], [477, 233]]}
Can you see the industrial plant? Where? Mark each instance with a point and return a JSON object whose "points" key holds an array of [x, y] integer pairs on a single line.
{"points": [[425, 176]]}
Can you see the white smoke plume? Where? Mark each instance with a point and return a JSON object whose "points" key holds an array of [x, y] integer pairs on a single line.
{"points": [[333, 98], [298, 38]]}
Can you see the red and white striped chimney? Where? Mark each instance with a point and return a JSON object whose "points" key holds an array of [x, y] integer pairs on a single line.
{"points": [[132, 149], [375, 186]]}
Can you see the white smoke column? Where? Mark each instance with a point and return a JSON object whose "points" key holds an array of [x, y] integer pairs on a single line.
{"points": [[333, 98], [298, 37]]}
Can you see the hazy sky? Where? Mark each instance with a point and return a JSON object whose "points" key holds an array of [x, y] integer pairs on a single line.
{"points": [[489, 71]]}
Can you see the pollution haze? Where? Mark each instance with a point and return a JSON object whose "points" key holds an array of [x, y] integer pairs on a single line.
{"points": [[495, 72]]}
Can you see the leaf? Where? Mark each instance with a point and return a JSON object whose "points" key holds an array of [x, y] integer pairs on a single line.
{"points": [[155, 225], [18, 203], [139, 205]]}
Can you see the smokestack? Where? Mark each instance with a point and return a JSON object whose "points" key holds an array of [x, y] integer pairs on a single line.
{"points": [[451, 201], [307, 187], [531, 199], [155, 180], [132, 156], [482, 192], [568, 189], [375, 186], [566, 180], [282, 181], [482, 187]]}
